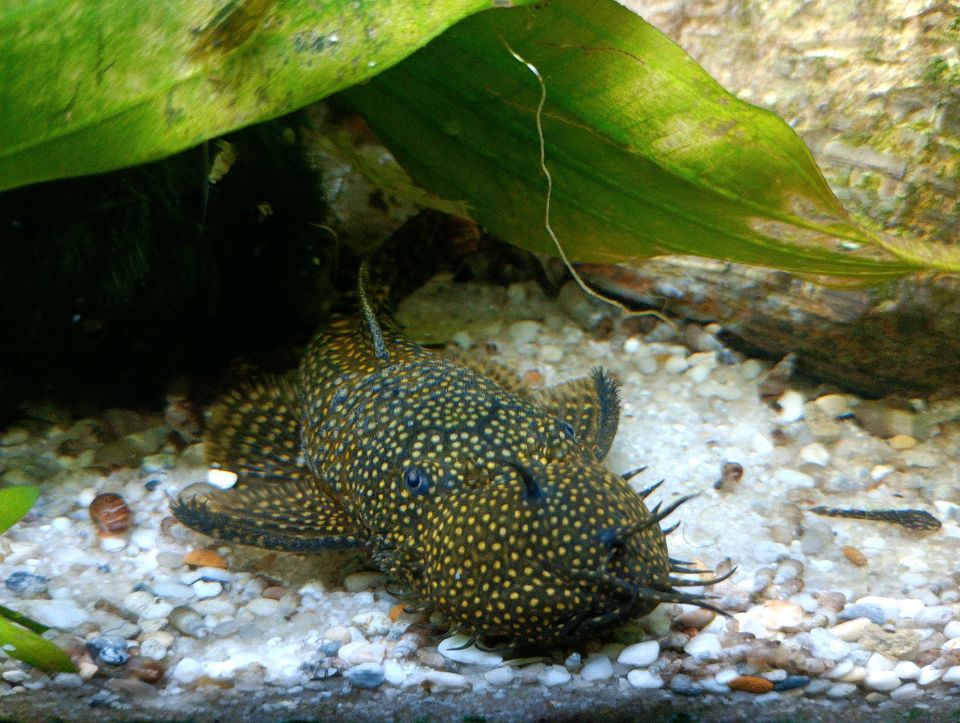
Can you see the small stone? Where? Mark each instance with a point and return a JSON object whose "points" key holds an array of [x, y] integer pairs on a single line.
{"points": [[26, 584], [644, 679], [780, 614], [471, 655], [393, 672], [205, 558], [108, 649], [929, 674], [676, 365], [61, 613], [882, 680], [934, 616], [14, 436], [372, 624], [841, 690], [366, 675], [952, 629], [437, 679], [204, 589], [791, 406], [854, 555], [791, 682], [15, 677], [262, 607], [362, 652], [902, 442], [647, 364], [174, 590], [187, 671], [554, 675], [751, 684], [463, 340], [551, 353], [705, 646], [827, 646], [878, 662], [631, 345], [906, 670], [67, 680], [874, 613], [338, 633], [640, 655], [952, 675], [907, 691], [815, 453], [852, 630], [524, 332], [360, 581], [597, 667], [221, 478], [794, 478], [188, 621], [836, 405]]}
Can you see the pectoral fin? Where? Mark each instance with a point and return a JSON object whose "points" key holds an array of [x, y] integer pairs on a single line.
{"points": [[294, 515], [591, 405]]}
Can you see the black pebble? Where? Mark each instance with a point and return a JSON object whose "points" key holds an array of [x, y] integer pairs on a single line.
{"points": [[26, 584], [109, 649]]}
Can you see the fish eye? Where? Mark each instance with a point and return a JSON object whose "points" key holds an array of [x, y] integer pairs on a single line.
{"points": [[569, 430], [417, 480]]}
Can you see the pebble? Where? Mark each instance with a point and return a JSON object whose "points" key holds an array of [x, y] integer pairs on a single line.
{"points": [[551, 353], [791, 406], [175, 590], [751, 684], [558, 675], [262, 607], [393, 672], [108, 649], [794, 478], [597, 667], [372, 624], [438, 679], [929, 674], [952, 629], [361, 651], [644, 679], [852, 630], [854, 555], [824, 644], [873, 613], [882, 680], [366, 675], [204, 589], [791, 682], [907, 691], [205, 558], [640, 655], [360, 581], [841, 690], [471, 655], [906, 670], [877, 662], [647, 364], [952, 675], [61, 613], [934, 616], [524, 332], [676, 365], [815, 453], [705, 646], [26, 584], [207, 574], [902, 441], [188, 621]]}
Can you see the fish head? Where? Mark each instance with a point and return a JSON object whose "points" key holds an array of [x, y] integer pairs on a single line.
{"points": [[544, 551]]}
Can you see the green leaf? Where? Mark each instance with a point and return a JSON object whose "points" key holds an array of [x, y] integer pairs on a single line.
{"points": [[93, 86], [15, 502], [21, 619], [20, 643], [649, 155]]}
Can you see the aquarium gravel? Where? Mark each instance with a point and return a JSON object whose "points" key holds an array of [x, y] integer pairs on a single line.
{"points": [[826, 612]]}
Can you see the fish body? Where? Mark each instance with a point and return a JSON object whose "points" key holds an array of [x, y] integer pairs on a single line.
{"points": [[481, 499]]}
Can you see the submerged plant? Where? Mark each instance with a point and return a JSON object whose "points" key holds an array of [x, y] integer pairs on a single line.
{"points": [[20, 637]]}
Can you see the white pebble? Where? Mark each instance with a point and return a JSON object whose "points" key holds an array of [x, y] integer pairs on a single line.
{"points": [[438, 679], [61, 524], [840, 670], [372, 624], [815, 453], [631, 345], [206, 573], [186, 671], [698, 375], [471, 655], [929, 674], [750, 369], [906, 670], [640, 655], [175, 590], [934, 616], [555, 675], [705, 646], [644, 679], [851, 630], [205, 589], [676, 365], [827, 646], [907, 691], [952, 629], [761, 443], [222, 479], [794, 478], [63, 613], [112, 543], [524, 332], [647, 364], [597, 667], [499, 676], [877, 663], [883, 680], [841, 690], [262, 606], [551, 353], [952, 675], [393, 672], [360, 581], [362, 652], [463, 340], [791, 406]]}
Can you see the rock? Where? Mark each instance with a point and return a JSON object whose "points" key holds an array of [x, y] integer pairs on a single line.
{"points": [[873, 613], [640, 655], [499, 676], [393, 672], [934, 616], [705, 646], [751, 684], [26, 584], [366, 675], [815, 453], [108, 649], [372, 624], [952, 675], [906, 670], [644, 679], [173, 590], [524, 332], [204, 589], [827, 646], [882, 680], [907, 691], [597, 667], [952, 629], [186, 671], [555, 675], [262, 607], [361, 651], [62, 613], [360, 581], [471, 655]]}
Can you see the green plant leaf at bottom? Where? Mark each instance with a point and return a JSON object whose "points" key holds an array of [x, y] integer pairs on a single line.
{"points": [[20, 643], [15, 502]]}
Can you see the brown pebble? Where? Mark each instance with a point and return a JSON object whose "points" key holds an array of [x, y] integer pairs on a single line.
{"points": [[751, 684], [149, 671], [532, 378], [730, 473], [205, 558], [854, 555], [779, 438], [110, 514], [206, 681], [274, 592], [396, 611]]}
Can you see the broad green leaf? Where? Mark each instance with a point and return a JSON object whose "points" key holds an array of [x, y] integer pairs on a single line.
{"points": [[15, 502], [20, 643], [21, 619], [649, 155], [93, 86]]}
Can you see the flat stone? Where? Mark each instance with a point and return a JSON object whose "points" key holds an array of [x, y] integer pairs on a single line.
{"points": [[554, 675], [499, 676], [597, 667], [366, 675], [640, 655], [644, 679], [882, 680]]}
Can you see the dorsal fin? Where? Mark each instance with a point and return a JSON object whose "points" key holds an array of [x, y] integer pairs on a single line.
{"points": [[369, 315]]}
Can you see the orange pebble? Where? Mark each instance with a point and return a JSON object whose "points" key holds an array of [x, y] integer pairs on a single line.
{"points": [[396, 611], [532, 378], [854, 555], [751, 684], [205, 558]]}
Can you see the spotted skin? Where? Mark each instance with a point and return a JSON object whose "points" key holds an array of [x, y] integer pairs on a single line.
{"points": [[483, 501]]}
